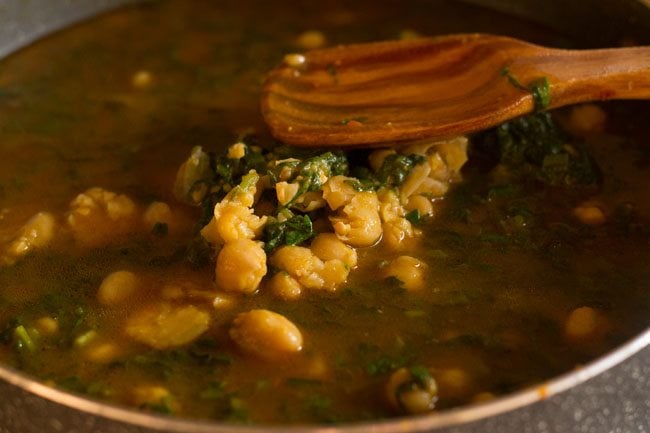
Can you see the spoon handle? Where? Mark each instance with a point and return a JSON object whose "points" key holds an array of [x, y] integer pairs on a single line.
{"points": [[370, 94], [588, 75]]}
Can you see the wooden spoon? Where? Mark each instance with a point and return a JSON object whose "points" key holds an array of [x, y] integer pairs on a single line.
{"points": [[371, 94]]}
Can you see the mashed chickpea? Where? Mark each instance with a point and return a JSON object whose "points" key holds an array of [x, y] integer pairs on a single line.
{"points": [[99, 217]]}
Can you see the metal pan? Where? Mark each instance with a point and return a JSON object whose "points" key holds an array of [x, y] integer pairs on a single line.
{"points": [[611, 394]]}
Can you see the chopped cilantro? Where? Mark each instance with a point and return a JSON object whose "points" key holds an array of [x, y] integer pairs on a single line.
{"points": [[413, 216], [361, 119], [331, 70], [535, 146], [505, 72], [293, 231], [160, 229], [163, 406], [237, 411], [214, 391], [396, 167], [540, 89], [312, 173], [392, 172], [421, 374], [318, 403]]}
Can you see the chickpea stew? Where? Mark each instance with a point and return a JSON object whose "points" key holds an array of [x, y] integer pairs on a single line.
{"points": [[159, 250]]}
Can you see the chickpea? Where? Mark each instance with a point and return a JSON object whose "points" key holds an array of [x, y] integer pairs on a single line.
{"points": [[286, 172], [285, 286], [587, 119], [408, 270], [338, 191], [241, 265], [237, 151], [582, 324], [297, 261], [310, 201], [454, 382], [266, 334], [589, 214], [117, 288], [390, 208], [47, 325], [286, 191], [439, 169], [158, 213], [149, 394], [102, 353], [98, 217], [396, 232], [410, 393], [163, 325], [420, 203], [395, 227], [311, 39], [232, 221], [327, 246], [377, 157], [334, 273], [433, 187], [38, 232], [308, 270], [141, 79], [358, 223], [454, 153], [414, 181]]}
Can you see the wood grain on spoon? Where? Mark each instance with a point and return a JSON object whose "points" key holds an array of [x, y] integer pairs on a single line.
{"points": [[369, 94]]}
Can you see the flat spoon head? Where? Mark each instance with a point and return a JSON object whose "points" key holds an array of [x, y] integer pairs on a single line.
{"points": [[387, 92]]}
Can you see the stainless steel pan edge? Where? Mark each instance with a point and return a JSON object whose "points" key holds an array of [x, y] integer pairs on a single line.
{"points": [[23, 21], [611, 394]]}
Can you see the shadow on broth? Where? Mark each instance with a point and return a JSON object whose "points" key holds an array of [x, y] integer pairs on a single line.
{"points": [[160, 251]]}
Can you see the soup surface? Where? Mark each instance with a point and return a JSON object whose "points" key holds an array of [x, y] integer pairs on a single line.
{"points": [[121, 276]]}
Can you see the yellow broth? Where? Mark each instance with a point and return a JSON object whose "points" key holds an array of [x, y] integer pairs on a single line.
{"points": [[490, 320]]}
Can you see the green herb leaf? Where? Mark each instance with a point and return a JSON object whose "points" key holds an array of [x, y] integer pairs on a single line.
{"points": [[421, 374], [541, 90], [393, 171], [312, 173], [535, 146], [293, 231], [505, 72], [361, 119], [413, 216], [160, 229], [214, 391], [163, 406]]}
